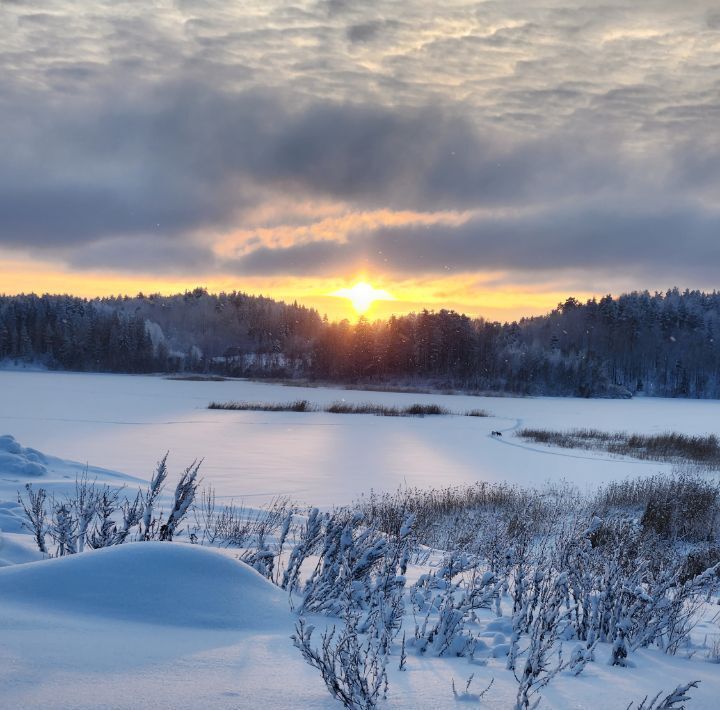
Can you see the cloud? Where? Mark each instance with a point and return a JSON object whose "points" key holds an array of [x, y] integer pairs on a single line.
{"points": [[607, 238], [367, 31], [185, 156], [148, 254], [575, 133]]}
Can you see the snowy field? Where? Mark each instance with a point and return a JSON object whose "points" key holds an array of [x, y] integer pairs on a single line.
{"points": [[126, 423], [169, 625], [173, 625]]}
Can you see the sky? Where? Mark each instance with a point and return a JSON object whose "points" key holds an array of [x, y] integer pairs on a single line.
{"points": [[490, 157]]}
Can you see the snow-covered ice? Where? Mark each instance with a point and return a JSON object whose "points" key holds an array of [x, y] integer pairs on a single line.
{"points": [[125, 423]]}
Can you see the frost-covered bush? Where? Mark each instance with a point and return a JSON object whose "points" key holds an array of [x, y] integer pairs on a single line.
{"points": [[349, 555], [561, 573], [352, 667], [673, 700], [359, 576], [260, 533], [684, 505], [36, 522], [184, 497], [97, 516]]}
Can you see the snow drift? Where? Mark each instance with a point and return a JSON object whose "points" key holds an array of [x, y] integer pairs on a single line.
{"points": [[19, 461], [150, 582]]}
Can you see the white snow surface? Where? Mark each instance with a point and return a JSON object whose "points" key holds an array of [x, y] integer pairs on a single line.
{"points": [[20, 461], [148, 625], [152, 582], [180, 626], [126, 423], [173, 625]]}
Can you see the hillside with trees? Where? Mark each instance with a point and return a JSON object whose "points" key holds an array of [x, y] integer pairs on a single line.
{"points": [[661, 344], [190, 332]]}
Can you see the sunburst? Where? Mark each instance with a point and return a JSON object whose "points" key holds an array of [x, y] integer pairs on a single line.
{"points": [[362, 295]]}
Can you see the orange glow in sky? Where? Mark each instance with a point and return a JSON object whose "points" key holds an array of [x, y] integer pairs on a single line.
{"points": [[362, 295], [373, 295]]}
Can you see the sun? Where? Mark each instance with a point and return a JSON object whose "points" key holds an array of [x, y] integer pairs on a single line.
{"points": [[362, 295]]}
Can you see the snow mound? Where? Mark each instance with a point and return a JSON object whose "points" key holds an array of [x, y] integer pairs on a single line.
{"points": [[19, 461], [11, 518], [16, 549], [150, 582]]}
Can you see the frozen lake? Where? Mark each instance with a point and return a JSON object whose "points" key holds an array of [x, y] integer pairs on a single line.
{"points": [[125, 423]]}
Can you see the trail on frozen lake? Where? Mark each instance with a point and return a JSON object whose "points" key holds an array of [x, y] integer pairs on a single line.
{"points": [[125, 423]]}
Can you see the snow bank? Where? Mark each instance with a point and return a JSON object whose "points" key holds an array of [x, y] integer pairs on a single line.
{"points": [[19, 461], [17, 548], [11, 517], [150, 582]]}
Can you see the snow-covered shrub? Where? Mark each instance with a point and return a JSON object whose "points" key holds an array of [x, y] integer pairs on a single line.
{"points": [[85, 505], [103, 535], [359, 576], [712, 655], [445, 603], [349, 553], [265, 533], [63, 530], [33, 505], [132, 512], [353, 668], [98, 516], [443, 516], [252, 530], [466, 695], [673, 700], [447, 634], [108, 529], [149, 524], [184, 496], [630, 589], [310, 537], [540, 665], [386, 604], [682, 505]]}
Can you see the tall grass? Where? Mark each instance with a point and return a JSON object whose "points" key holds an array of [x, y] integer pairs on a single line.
{"points": [[299, 405], [303, 405], [682, 505], [668, 446], [196, 378]]}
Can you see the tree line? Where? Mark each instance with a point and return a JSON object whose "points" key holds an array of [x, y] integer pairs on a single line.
{"points": [[661, 344], [194, 332]]}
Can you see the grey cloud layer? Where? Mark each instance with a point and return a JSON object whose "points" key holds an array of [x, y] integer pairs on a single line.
{"points": [[127, 130], [644, 241], [185, 156]]}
